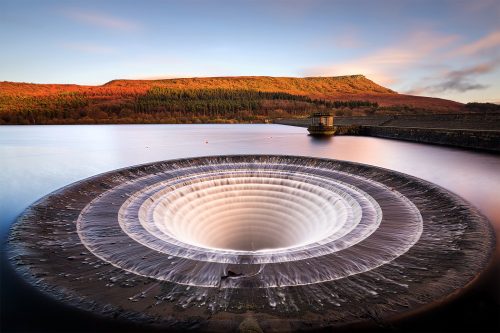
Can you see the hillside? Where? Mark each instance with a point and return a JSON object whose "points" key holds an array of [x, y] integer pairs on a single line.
{"points": [[355, 84], [200, 100]]}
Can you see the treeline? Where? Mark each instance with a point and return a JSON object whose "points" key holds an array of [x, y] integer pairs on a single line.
{"points": [[348, 104], [165, 105], [482, 107]]}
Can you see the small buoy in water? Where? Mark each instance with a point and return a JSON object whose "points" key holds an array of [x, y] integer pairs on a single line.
{"points": [[206, 141]]}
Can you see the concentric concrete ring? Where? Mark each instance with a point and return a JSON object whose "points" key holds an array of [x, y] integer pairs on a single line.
{"points": [[267, 236]]}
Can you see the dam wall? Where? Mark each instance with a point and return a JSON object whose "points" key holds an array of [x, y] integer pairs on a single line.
{"points": [[469, 131], [473, 139]]}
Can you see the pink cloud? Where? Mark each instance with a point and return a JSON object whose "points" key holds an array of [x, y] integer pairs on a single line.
{"points": [[101, 20], [488, 42], [387, 64]]}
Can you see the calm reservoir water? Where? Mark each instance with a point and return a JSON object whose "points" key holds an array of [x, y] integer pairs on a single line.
{"points": [[36, 160]]}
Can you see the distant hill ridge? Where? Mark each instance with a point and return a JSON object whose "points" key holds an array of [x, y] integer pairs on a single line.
{"points": [[353, 84], [311, 86]]}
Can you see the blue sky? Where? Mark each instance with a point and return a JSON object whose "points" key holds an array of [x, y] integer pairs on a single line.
{"points": [[448, 49]]}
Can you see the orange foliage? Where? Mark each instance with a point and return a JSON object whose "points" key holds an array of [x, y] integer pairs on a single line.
{"points": [[27, 99]]}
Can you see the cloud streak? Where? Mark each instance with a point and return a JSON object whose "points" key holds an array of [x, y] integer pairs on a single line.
{"points": [[425, 52], [101, 20], [461, 80], [89, 48], [487, 43]]}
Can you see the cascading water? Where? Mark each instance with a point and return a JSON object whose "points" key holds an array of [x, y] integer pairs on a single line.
{"points": [[266, 235]]}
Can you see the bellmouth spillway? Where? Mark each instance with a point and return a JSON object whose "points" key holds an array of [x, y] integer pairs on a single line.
{"points": [[270, 242]]}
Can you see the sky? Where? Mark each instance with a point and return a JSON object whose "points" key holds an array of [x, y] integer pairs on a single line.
{"points": [[443, 48]]}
